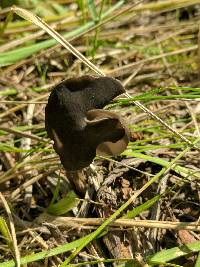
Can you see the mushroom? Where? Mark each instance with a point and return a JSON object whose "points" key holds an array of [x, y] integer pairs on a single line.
{"points": [[80, 128]]}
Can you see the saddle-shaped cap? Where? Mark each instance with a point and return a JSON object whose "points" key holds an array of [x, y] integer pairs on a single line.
{"points": [[78, 125]]}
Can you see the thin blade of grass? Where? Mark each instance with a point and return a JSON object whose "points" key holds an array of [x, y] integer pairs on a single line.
{"points": [[185, 172], [4, 230], [43, 25], [173, 253], [133, 213], [12, 231], [64, 205], [46, 253]]}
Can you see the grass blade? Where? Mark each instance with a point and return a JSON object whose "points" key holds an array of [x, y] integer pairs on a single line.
{"points": [[64, 205], [4, 230], [133, 213], [173, 253]]}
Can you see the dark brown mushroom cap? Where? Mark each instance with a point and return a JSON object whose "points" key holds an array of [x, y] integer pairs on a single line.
{"points": [[78, 126]]}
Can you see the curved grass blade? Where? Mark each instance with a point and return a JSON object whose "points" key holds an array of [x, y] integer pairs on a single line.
{"points": [[173, 253], [4, 230], [46, 253], [133, 213], [64, 205]]}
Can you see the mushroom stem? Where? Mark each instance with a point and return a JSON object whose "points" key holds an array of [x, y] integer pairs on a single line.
{"points": [[78, 179]]}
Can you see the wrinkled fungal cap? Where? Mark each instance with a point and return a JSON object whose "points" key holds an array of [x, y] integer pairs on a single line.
{"points": [[79, 127]]}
